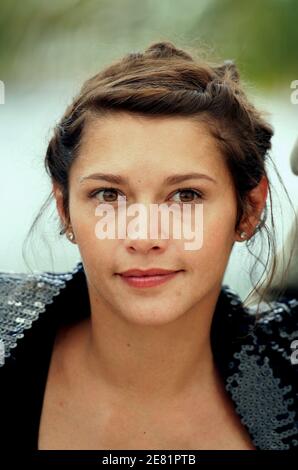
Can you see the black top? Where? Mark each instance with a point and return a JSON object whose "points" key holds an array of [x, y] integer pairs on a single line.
{"points": [[23, 378], [253, 354]]}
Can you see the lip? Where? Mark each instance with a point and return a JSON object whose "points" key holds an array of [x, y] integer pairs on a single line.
{"points": [[147, 272], [147, 278]]}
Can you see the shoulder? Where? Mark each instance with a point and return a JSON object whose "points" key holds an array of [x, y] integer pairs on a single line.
{"points": [[276, 326], [23, 297], [269, 326], [263, 374]]}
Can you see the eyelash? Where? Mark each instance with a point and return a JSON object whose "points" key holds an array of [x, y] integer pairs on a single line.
{"points": [[195, 191]]}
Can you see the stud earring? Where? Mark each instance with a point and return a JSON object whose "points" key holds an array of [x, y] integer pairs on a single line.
{"points": [[70, 236], [243, 235]]}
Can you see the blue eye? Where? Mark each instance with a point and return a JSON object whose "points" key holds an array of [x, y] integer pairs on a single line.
{"points": [[188, 193]]}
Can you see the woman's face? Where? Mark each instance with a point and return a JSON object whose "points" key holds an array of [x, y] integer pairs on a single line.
{"points": [[144, 152]]}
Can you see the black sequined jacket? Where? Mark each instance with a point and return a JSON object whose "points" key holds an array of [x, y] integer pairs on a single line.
{"points": [[254, 351]]}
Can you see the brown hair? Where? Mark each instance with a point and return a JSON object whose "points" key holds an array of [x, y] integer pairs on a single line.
{"points": [[168, 81]]}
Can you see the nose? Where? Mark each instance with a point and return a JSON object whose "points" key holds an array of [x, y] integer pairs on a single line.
{"points": [[144, 246], [149, 235]]}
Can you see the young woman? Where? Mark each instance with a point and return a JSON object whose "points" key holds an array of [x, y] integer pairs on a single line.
{"points": [[141, 346]]}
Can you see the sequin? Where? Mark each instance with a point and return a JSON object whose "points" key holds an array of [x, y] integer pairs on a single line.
{"points": [[23, 297], [258, 374], [262, 371]]}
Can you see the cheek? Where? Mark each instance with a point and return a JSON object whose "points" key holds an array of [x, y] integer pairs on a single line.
{"points": [[218, 238], [84, 219], [94, 251], [219, 222]]}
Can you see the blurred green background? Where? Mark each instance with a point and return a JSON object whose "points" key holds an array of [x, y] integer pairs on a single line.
{"points": [[58, 38], [47, 50]]}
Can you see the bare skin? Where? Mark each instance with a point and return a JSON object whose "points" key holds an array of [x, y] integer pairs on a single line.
{"points": [[140, 372], [82, 413]]}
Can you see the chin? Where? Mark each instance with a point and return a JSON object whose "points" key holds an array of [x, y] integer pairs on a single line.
{"points": [[151, 317]]}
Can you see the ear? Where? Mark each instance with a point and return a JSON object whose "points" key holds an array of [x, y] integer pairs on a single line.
{"points": [[256, 202], [59, 202]]}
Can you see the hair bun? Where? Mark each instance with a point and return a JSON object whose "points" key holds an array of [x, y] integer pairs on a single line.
{"points": [[228, 69], [166, 49]]}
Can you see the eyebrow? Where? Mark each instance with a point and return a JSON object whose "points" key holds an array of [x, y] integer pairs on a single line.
{"points": [[170, 180]]}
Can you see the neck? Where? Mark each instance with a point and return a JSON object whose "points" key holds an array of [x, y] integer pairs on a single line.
{"points": [[151, 363]]}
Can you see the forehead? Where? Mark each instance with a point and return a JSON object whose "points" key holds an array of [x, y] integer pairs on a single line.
{"points": [[130, 143]]}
